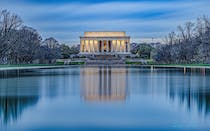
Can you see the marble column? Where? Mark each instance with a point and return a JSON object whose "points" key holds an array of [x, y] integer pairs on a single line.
{"points": [[120, 45], [124, 46], [81, 46], [89, 46], [129, 46], [111, 45], [85, 46], [116, 46], [93, 46], [102, 46], [97, 45], [107, 46]]}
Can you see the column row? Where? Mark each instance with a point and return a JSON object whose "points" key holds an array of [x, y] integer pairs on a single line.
{"points": [[104, 46]]}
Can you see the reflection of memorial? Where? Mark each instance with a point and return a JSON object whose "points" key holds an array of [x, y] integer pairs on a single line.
{"points": [[104, 83]]}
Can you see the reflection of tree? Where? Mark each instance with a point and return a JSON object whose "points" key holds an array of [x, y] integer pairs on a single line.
{"points": [[193, 91], [34, 73], [199, 99], [204, 102], [104, 83], [11, 107]]}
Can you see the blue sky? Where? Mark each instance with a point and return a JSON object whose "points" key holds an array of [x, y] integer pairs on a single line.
{"points": [[143, 20]]}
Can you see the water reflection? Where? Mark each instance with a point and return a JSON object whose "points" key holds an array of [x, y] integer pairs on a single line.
{"points": [[11, 107], [194, 91], [16, 94], [64, 88], [192, 100], [104, 83]]}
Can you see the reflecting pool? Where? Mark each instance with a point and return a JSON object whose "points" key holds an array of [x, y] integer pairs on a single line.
{"points": [[104, 97]]}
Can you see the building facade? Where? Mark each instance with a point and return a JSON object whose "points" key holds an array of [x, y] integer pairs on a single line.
{"points": [[105, 43]]}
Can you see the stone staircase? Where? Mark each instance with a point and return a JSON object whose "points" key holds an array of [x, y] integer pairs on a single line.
{"points": [[105, 57], [105, 60]]}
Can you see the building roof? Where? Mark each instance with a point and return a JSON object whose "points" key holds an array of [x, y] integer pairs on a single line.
{"points": [[105, 34]]}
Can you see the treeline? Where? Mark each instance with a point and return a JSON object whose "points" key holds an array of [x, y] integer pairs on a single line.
{"points": [[143, 50], [21, 44], [189, 44]]}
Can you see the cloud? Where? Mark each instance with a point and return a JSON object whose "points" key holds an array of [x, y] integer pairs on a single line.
{"points": [[66, 21]]}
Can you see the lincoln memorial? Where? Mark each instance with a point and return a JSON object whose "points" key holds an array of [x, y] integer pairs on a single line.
{"points": [[105, 43]]}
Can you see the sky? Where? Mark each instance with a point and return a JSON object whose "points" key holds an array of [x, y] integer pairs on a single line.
{"points": [[143, 20]]}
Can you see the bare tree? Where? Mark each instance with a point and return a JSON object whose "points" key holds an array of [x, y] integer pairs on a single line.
{"points": [[182, 34], [171, 38], [22, 44], [51, 43], [50, 50], [31, 41], [8, 23], [190, 45], [189, 30], [25, 43]]}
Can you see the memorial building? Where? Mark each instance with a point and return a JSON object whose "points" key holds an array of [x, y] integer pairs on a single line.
{"points": [[104, 43]]}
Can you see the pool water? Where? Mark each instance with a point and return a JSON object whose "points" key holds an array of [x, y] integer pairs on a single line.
{"points": [[105, 98]]}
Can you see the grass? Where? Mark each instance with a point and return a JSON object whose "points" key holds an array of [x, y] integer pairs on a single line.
{"points": [[148, 62], [181, 64], [28, 65], [151, 62], [34, 65], [76, 63], [59, 63], [133, 63], [82, 63]]}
